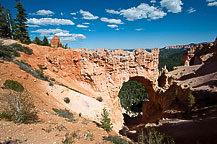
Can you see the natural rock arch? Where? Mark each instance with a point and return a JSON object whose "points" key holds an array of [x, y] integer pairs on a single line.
{"points": [[100, 72]]}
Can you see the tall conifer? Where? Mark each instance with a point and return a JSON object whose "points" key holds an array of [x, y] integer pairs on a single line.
{"points": [[45, 41], [5, 23], [21, 32]]}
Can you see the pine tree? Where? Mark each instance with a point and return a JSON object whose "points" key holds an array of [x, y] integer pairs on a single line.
{"points": [[37, 41], [105, 123], [21, 32], [60, 45], [66, 46], [5, 23], [45, 41]]}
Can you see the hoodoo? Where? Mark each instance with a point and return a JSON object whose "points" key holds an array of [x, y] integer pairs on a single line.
{"points": [[55, 42]]}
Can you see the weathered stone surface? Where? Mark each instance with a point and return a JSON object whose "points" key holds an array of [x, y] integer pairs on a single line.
{"points": [[100, 72], [198, 54], [55, 42]]}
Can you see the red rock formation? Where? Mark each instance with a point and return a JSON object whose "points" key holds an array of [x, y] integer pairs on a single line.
{"points": [[100, 72], [198, 54], [55, 42]]}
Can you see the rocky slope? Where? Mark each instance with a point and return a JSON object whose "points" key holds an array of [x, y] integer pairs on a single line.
{"points": [[95, 73]]}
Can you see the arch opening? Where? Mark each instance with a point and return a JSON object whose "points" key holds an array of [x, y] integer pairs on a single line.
{"points": [[133, 94]]}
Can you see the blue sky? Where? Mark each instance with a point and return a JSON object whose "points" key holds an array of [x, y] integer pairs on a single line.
{"points": [[126, 24]]}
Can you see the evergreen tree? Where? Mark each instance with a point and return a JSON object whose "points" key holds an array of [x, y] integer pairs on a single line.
{"points": [[21, 32], [45, 41], [66, 46], [37, 41], [5, 23], [60, 45]]}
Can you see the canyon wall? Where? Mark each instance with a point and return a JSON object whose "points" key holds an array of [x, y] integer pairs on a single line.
{"points": [[198, 54]]}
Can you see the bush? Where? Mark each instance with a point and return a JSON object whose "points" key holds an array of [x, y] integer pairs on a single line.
{"points": [[69, 138], [19, 107], [20, 48], [8, 52], [51, 84], [13, 85], [99, 99], [116, 140], [191, 99], [64, 113], [66, 100], [105, 123], [153, 137], [34, 72]]}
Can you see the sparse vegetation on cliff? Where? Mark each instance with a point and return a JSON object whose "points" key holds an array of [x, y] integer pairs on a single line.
{"points": [[63, 113], [191, 99], [117, 140], [151, 136], [18, 104], [9, 52], [13, 85]]}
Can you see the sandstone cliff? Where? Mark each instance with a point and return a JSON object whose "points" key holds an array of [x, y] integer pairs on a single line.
{"points": [[98, 73]]}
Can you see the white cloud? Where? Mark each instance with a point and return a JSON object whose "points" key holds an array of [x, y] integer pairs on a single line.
{"points": [[49, 21], [210, 0], [112, 26], [153, 1], [43, 13], [63, 34], [139, 29], [88, 15], [112, 11], [143, 11], [212, 4], [115, 21], [191, 10], [174, 6], [117, 29], [69, 37], [86, 23], [82, 26], [33, 26], [75, 18], [47, 32], [61, 14], [72, 13]]}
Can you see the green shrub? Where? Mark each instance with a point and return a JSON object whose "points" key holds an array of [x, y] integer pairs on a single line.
{"points": [[34, 72], [153, 137], [13, 85], [69, 138], [66, 100], [64, 113], [105, 123], [8, 52], [19, 107], [20, 48], [191, 99], [116, 140]]}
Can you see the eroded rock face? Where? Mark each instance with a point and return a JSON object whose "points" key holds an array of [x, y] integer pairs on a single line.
{"points": [[100, 72], [55, 42], [198, 54]]}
